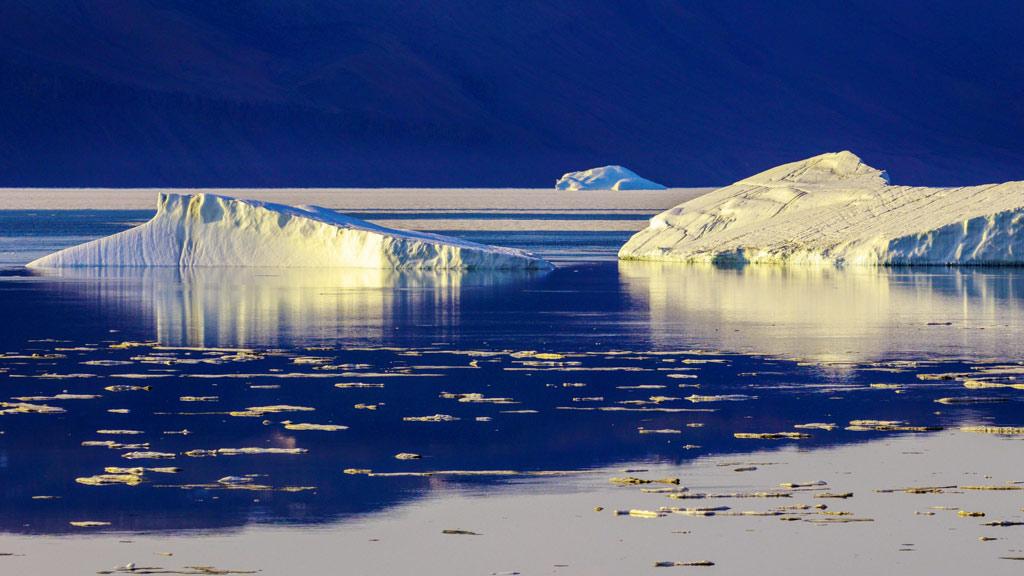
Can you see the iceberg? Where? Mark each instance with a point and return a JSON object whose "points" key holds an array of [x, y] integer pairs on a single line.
{"points": [[206, 230], [834, 210], [605, 178]]}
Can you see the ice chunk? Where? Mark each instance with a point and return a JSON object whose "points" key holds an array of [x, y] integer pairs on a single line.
{"points": [[605, 178], [833, 209], [196, 230]]}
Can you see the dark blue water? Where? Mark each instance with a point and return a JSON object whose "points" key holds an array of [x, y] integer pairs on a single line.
{"points": [[41, 454], [620, 348]]}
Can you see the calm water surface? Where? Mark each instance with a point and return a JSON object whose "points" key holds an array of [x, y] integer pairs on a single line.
{"points": [[522, 394]]}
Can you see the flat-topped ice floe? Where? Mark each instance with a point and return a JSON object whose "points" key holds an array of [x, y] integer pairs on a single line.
{"points": [[200, 230], [605, 178], [833, 209]]}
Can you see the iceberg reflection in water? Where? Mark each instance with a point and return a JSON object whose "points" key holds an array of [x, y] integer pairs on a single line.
{"points": [[524, 394], [825, 315], [828, 314], [274, 307]]}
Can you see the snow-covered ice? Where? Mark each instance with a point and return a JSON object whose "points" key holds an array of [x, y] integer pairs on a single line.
{"points": [[833, 209], [605, 178], [193, 230]]}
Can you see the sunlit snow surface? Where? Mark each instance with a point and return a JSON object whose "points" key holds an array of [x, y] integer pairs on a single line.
{"points": [[207, 230], [834, 210], [524, 393], [605, 178]]}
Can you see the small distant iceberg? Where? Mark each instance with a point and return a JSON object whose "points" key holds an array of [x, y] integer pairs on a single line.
{"points": [[834, 210], [207, 230], [605, 178]]}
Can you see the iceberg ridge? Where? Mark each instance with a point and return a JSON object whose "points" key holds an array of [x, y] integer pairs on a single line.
{"points": [[605, 178], [835, 210], [197, 230]]}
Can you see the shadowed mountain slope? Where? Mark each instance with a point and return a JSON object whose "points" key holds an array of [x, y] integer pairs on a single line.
{"points": [[445, 93]]}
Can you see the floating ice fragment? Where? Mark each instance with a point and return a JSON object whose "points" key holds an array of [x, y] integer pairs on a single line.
{"points": [[199, 453], [26, 408], [139, 471], [888, 426], [476, 398], [720, 398], [827, 426], [320, 427], [434, 418], [258, 411], [771, 435], [57, 397], [199, 398], [643, 430], [971, 400], [633, 481], [127, 388], [148, 455], [110, 479], [635, 513], [1001, 430]]}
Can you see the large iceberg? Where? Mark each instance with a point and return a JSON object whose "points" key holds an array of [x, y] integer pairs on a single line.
{"points": [[195, 230], [833, 209], [605, 178]]}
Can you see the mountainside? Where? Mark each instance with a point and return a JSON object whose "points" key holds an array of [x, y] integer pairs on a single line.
{"points": [[445, 93]]}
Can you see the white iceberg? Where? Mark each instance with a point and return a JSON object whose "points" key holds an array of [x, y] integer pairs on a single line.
{"points": [[605, 178], [835, 210], [199, 230]]}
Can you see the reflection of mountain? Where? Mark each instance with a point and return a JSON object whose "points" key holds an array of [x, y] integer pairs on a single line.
{"points": [[270, 307], [832, 314]]}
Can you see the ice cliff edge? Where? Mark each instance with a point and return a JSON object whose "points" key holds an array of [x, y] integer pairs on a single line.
{"points": [[835, 210]]}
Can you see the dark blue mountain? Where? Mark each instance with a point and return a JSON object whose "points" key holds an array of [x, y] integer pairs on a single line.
{"points": [[502, 93]]}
